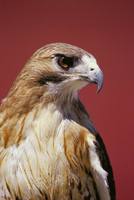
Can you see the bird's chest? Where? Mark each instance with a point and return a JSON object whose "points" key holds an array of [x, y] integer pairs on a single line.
{"points": [[59, 171], [47, 164]]}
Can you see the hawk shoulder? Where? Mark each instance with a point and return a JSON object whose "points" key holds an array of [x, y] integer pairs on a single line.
{"points": [[86, 151]]}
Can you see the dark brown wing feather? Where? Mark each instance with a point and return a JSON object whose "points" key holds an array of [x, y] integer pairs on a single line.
{"points": [[105, 162]]}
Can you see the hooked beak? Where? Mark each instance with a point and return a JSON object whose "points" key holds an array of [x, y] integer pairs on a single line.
{"points": [[99, 80], [95, 75]]}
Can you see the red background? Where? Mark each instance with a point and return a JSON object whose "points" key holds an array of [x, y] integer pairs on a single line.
{"points": [[104, 28]]}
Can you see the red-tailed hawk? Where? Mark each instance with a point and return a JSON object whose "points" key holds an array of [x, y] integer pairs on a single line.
{"points": [[49, 148]]}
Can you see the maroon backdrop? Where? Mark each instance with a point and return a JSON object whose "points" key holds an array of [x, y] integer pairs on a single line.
{"points": [[104, 28]]}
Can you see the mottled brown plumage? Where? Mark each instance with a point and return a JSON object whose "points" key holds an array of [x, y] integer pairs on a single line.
{"points": [[49, 149]]}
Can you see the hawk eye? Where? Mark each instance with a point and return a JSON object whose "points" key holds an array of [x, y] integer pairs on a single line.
{"points": [[66, 62]]}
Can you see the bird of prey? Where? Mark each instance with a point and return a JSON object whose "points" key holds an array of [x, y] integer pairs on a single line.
{"points": [[49, 148]]}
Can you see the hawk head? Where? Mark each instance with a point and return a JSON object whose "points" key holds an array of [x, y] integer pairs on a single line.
{"points": [[67, 67], [55, 70]]}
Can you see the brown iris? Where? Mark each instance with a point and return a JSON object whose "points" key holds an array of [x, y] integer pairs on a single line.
{"points": [[65, 62]]}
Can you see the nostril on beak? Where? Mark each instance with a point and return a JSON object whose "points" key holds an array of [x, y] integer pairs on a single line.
{"points": [[91, 69]]}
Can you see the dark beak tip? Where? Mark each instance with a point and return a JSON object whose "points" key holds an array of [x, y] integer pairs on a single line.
{"points": [[98, 91], [99, 87]]}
